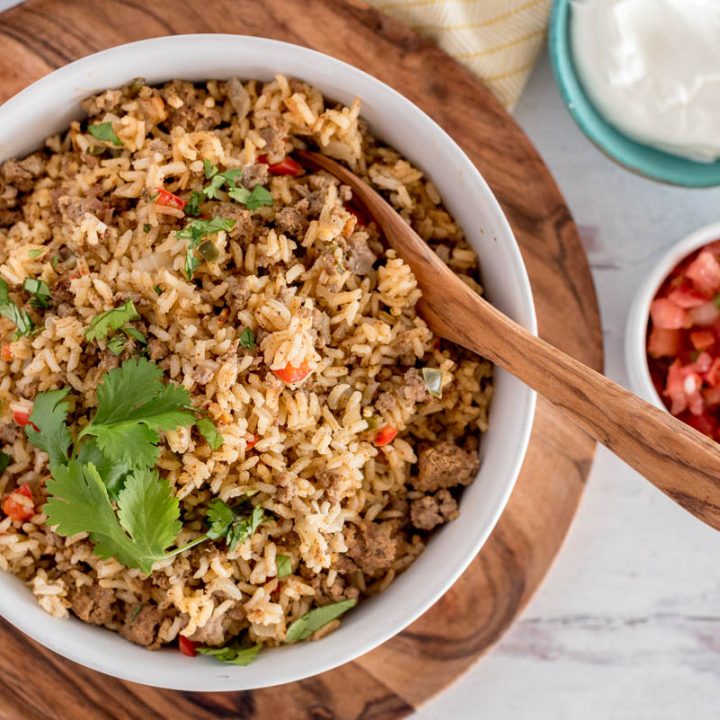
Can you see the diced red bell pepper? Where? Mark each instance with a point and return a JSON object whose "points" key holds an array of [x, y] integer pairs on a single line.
{"points": [[19, 505], [361, 217], [187, 647], [287, 166], [165, 197], [21, 417], [292, 374], [251, 441], [667, 315], [385, 435]]}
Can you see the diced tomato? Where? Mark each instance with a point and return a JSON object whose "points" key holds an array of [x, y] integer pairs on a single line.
{"points": [[287, 166], [712, 376], [165, 197], [667, 315], [685, 296], [187, 647], [292, 374], [683, 389], [385, 435], [664, 343], [7, 355], [251, 441], [711, 396], [704, 273], [705, 315], [19, 505], [702, 339], [704, 423]]}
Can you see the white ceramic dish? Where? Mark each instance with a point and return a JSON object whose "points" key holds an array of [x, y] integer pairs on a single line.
{"points": [[636, 331], [47, 107]]}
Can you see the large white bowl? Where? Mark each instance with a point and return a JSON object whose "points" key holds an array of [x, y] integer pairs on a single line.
{"points": [[48, 105]]}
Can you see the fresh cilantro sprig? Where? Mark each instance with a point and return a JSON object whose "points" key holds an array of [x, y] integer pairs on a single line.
{"points": [[252, 199], [316, 619], [234, 528], [192, 208], [234, 654], [47, 429], [104, 132], [8, 309], [194, 232], [219, 179], [101, 325], [137, 535], [41, 295], [210, 433]]}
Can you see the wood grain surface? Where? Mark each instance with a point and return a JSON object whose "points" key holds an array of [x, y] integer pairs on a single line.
{"points": [[392, 681]]}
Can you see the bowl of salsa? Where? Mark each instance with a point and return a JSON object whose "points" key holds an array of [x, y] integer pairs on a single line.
{"points": [[673, 334]]}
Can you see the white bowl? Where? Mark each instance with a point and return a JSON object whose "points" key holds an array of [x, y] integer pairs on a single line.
{"points": [[636, 330], [48, 105]]}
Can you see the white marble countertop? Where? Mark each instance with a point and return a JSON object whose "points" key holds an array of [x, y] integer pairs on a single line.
{"points": [[627, 624]]}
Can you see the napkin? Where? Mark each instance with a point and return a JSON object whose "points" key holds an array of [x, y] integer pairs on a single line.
{"points": [[498, 40]]}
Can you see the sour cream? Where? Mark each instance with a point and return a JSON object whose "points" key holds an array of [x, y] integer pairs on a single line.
{"points": [[652, 69]]}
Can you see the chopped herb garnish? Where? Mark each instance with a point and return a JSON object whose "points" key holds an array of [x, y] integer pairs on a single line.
{"points": [[284, 566], [192, 207], [40, 292], [55, 261], [194, 232], [234, 528], [135, 334], [252, 199], [104, 131], [219, 179], [234, 654], [210, 169], [146, 228], [247, 339], [210, 433], [132, 616], [4, 461], [433, 378], [114, 319], [47, 429], [316, 619], [8, 309], [158, 290], [36, 253], [116, 344]]}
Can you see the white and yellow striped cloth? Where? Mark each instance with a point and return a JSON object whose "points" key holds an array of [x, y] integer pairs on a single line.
{"points": [[499, 40]]}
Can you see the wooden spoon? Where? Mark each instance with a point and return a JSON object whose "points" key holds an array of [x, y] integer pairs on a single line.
{"points": [[678, 460]]}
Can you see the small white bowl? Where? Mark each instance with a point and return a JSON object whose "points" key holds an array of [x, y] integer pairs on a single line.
{"points": [[48, 106], [636, 330]]}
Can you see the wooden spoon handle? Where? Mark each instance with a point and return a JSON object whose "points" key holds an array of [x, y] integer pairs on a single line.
{"points": [[678, 460]]}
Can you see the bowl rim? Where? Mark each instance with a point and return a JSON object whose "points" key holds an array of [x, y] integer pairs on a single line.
{"points": [[643, 160], [636, 359], [160, 46]]}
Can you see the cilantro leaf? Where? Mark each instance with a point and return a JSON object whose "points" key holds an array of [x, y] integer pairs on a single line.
{"points": [[147, 521], [252, 199], [40, 292], [112, 474], [36, 252], [283, 563], [4, 461], [134, 405], [8, 309], [210, 433], [226, 523], [194, 232], [247, 339], [193, 204], [211, 191], [104, 131], [135, 334], [218, 179], [49, 416], [234, 654], [101, 325], [316, 619], [116, 345], [210, 169]]}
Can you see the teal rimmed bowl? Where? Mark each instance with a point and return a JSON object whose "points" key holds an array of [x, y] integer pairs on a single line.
{"points": [[639, 158]]}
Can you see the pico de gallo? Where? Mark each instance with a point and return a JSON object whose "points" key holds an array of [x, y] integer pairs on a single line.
{"points": [[683, 341]]}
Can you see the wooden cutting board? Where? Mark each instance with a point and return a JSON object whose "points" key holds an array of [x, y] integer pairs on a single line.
{"points": [[392, 681]]}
